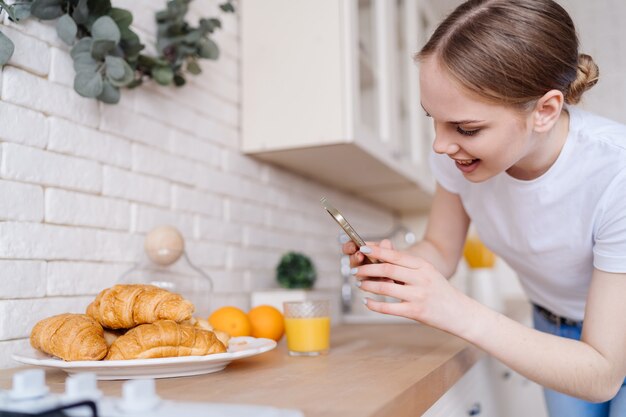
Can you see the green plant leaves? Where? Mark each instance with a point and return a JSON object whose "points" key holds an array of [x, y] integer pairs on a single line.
{"points": [[81, 47], [208, 49], [47, 9], [88, 84], [101, 47], [163, 75], [21, 10], [67, 29], [81, 13], [119, 73], [106, 29], [227, 7], [295, 270], [114, 66], [110, 94], [6, 49], [86, 63], [193, 67], [9, 10], [123, 18], [98, 8], [106, 52]]}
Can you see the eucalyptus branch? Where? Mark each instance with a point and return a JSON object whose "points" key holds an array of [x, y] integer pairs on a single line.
{"points": [[107, 52]]}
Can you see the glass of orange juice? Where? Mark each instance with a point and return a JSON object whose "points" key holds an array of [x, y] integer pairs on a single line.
{"points": [[307, 326]]}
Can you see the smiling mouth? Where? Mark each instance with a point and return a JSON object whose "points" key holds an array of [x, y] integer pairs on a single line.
{"points": [[465, 162]]}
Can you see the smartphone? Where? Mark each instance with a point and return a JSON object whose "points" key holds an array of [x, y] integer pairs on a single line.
{"points": [[342, 222]]}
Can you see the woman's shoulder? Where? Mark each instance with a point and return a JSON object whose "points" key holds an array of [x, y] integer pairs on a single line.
{"points": [[596, 128]]}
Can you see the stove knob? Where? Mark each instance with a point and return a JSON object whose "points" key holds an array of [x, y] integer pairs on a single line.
{"points": [[28, 385], [139, 395], [82, 386]]}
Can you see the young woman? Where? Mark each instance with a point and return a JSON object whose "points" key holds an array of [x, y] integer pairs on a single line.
{"points": [[543, 182]]}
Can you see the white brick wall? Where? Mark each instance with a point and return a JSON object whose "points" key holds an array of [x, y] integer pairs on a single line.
{"points": [[81, 183]]}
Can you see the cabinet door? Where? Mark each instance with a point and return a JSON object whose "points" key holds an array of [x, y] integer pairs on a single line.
{"points": [[472, 395], [413, 23]]}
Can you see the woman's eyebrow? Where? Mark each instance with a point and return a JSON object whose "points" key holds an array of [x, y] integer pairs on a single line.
{"points": [[457, 122]]}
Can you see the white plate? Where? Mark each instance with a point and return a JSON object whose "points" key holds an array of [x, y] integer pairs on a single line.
{"points": [[238, 348]]}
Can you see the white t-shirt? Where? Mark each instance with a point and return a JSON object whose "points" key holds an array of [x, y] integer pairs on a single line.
{"points": [[554, 229]]}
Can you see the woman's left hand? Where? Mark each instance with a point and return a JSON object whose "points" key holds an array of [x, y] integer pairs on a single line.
{"points": [[425, 294]]}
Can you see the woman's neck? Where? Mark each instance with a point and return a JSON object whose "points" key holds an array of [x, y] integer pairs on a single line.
{"points": [[544, 154]]}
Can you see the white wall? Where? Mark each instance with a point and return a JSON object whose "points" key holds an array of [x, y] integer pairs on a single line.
{"points": [[81, 183]]}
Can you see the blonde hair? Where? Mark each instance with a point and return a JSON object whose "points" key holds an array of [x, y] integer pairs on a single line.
{"points": [[512, 51]]}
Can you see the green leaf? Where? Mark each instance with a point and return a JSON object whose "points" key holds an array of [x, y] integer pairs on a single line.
{"points": [[8, 9], [101, 47], [136, 83], [193, 67], [179, 80], [123, 18], [82, 46], [84, 62], [6, 49], [209, 25], [106, 29], [115, 67], [47, 9], [67, 29], [227, 7], [98, 8], [88, 84], [163, 75], [81, 13], [21, 10], [162, 16], [193, 36], [110, 94], [208, 49]]}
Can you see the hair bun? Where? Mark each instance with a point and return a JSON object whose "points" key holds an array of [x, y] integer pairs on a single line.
{"points": [[587, 75]]}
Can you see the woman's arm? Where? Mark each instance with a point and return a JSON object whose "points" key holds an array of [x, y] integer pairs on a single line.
{"points": [[443, 241], [593, 368]]}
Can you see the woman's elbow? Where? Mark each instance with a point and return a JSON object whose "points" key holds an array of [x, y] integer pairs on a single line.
{"points": [[605, 393]]}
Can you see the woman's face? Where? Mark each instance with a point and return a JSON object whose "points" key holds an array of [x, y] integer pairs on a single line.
{"points": [[483, 139]]}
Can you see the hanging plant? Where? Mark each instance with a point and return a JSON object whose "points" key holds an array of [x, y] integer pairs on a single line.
{"points": [[107, 52]]}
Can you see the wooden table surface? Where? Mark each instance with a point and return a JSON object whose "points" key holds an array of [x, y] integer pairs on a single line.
{"points": [[372, 370]]}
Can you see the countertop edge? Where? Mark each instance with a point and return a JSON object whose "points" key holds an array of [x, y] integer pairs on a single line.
{"points": [[413, 402]]}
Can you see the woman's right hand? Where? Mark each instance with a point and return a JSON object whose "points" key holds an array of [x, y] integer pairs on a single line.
{"points": [[357, 258]]}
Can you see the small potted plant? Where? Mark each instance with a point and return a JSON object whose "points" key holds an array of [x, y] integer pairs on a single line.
{"points": [[295, 270]]}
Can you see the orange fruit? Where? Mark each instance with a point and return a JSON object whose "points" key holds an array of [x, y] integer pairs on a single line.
{"points": [[231, 320], [267, 322]]}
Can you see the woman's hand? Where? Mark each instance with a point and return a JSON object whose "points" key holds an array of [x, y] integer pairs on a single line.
{"points": [[358, 258], [425, 294]]}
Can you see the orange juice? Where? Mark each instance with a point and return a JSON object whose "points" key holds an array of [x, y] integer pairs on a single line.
{"points": [[310, 334]]}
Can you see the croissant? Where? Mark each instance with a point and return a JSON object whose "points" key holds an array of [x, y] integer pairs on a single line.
{"points": [[71, 337], [204, 325], [126, 306], [163, 339]]}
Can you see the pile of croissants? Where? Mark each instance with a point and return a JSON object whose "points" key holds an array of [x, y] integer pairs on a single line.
{"points": [[130, 321]]}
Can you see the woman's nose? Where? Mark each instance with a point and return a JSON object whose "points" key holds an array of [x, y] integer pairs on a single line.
{"points": [[444, 145]]}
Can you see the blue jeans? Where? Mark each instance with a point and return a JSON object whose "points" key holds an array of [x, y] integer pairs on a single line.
{"points": [[561, 405]]}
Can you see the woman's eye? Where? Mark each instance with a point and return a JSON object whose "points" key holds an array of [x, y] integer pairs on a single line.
{"points": [[467, 132], [428, 114]]}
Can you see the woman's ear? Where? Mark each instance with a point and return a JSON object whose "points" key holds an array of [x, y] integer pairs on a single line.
{"points": [[547, 111]]}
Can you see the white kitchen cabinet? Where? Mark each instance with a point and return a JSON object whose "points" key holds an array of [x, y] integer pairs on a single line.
{"points": [[330, 91], [472, 395], [515, 395]]}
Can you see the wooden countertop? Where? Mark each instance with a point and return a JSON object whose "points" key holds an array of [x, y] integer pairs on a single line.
{"points": [[372, 370]]}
